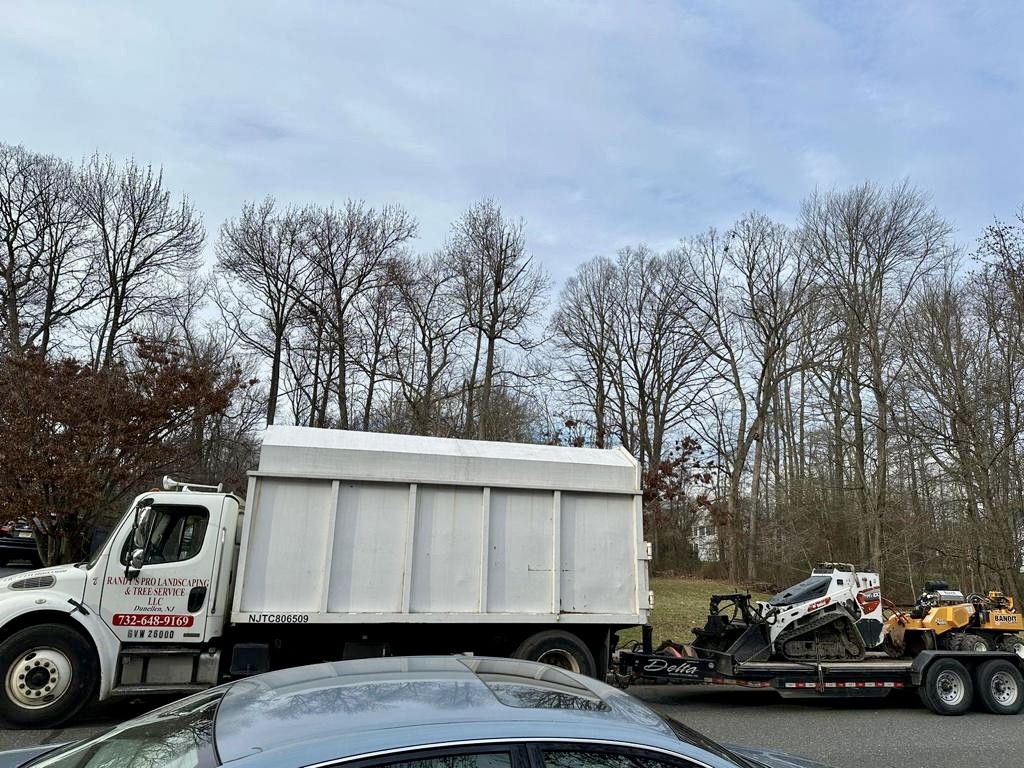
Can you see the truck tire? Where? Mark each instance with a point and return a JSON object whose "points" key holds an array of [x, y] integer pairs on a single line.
{"points": [[1000, 687], [559, 649], [47, 673], [947, 688], [1012, 644]]}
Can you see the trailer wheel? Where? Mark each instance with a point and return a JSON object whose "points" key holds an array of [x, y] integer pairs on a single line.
{"points": [[559, 649], [1000, 687], [947, 688], [48, 673]]}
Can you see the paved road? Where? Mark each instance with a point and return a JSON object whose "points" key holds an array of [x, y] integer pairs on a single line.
{"points": [[883, 733]]}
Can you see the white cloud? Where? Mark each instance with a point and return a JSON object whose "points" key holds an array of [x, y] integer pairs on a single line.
{"points": [[601, 123]]}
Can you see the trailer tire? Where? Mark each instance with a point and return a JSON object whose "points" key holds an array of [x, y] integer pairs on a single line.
{"points": [[559, 649], [48, 673], [1000, 687], [947, 688]]}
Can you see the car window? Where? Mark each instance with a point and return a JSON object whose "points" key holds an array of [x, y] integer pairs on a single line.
{"points": [[609, 758], [177, 736], [480, 760], [686, 734], [177, 534]]}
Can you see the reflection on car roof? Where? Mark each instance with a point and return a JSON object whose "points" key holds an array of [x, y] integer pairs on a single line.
{"points": [[355, 707]]}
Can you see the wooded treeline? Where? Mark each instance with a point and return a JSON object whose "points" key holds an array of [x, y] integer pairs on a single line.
{"points": [[848, 388]]}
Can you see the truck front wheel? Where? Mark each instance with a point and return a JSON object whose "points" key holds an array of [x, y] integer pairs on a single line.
{"points": [[559, 649], [49, 673], [947, 688]]}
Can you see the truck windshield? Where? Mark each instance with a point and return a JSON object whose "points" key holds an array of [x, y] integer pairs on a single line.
{"points": [[176, 736], [99, 550], [106, 539]]}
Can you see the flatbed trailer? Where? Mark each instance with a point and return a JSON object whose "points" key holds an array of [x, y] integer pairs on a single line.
{"points": [[949, 682]]}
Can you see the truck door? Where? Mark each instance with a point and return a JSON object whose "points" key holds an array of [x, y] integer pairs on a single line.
{"points": [[166, 598]]}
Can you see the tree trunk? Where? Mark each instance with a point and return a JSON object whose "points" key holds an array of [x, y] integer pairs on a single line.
{"points": [[484, 430], [755, 500], [275, 379]]}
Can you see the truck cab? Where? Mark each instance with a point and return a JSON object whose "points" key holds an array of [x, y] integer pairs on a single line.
{"points": [[138, 617]]}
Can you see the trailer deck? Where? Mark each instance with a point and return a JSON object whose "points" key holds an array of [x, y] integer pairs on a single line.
{"points": [[876, 675]]}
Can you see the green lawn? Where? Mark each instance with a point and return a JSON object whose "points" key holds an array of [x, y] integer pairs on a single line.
{"points": [[679, 605]]}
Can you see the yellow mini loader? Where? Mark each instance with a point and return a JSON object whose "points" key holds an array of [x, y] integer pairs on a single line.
{"points": [[945, 619]]}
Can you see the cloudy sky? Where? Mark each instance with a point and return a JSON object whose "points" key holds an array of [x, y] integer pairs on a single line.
{"points": [[601, 123]]}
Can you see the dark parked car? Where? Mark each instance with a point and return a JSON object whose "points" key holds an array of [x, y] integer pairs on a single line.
{"points": [[18, 542], [418, 712]]}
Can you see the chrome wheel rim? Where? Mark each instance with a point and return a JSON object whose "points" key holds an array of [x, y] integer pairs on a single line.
{"points": [[1004, 688], [950, 688], [38, 678], [561, 659]]}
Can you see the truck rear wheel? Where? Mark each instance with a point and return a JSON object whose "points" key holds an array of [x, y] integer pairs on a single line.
{"points": [[1000, 687], [559, 649], [48, 673], [947, 688]]}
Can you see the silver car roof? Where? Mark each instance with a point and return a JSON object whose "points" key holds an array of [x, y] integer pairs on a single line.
{"points": [[307, 715]]}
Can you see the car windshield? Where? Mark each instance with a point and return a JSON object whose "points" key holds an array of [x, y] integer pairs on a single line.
{"points": [[176, 736]]}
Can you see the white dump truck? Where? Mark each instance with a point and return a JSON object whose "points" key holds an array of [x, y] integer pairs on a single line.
{"points": [[350, 545]]}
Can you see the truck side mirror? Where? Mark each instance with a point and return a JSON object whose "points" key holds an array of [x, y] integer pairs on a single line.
{"points": [[141, 533], [135, 561], [140, 536]]}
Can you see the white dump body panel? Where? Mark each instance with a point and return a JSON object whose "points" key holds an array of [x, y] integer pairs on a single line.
{"points": [[367, 527]]}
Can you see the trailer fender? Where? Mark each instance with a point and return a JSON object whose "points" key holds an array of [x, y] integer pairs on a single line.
{"points": [[16, 613]]}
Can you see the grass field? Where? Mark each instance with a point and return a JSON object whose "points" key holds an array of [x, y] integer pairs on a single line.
{"points": [[679, 605]]}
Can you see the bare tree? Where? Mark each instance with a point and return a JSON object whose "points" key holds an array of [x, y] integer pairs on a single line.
{"points": [[45, 268], [501, 290], [146, 246], [583, 328], [376, 312], [872, 247], [349, 250], [750, 291], [426, 343], [657, 360], [260, 257]]}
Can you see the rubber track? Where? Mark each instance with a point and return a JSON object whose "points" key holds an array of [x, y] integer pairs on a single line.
{"points": [[815, 624]]}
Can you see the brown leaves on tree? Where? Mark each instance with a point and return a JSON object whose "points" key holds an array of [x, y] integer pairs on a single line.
{"points": [[77, 442]]}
